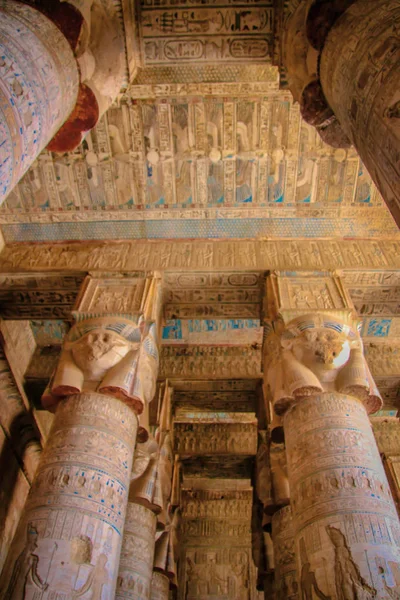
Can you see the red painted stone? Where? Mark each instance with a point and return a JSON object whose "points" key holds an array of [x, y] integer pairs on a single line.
{"points": [[83, 118]]}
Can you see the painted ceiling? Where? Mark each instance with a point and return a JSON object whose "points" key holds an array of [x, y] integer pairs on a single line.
{"points": [[208, 159]]}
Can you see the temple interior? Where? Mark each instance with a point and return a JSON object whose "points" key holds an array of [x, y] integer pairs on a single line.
{"points": [[199, 299]]}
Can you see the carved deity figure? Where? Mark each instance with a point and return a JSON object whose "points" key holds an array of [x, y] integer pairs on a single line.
{"points": [[350, 585], [25, 569], [111, 355], [316, 355]]}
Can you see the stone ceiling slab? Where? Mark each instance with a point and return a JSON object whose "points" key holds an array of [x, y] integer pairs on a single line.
{"points": [[198, 160]]}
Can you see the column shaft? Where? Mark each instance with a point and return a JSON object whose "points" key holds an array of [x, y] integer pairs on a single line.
{"points": [[159, 586], [39, 83], [137, 553], [346, 526], [69, 538], [286, 584], [360, 76]]}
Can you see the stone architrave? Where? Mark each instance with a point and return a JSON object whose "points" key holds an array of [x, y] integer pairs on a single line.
{"points": [[347, 531], [39, 82], [159, 586], [286, 582]]}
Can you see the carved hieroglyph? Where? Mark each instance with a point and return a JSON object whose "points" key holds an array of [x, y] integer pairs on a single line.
{"points": [[360, 78], [159, 586], [38, 87], [286, 582], [137, 554], [346, 525], [69, 537]]}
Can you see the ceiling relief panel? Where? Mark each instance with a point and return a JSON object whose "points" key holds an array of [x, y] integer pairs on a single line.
{"points": [[204, 32], [198, 160]]}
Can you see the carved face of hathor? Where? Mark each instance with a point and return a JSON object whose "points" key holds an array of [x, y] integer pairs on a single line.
{"points": [[98, 351], [321, 350]]}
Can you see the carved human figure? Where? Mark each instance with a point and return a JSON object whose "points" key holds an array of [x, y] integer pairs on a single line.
{"points": [[25, 569], [96, 579]]}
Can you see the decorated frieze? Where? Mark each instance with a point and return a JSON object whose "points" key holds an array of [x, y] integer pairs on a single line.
{"points": [[228, 385], [217, 504], [214, 528], [216, 255], [221, 362], [222, 401], [216, 436]]}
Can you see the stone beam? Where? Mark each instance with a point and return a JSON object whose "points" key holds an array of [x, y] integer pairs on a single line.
{"points": [[240, 255]]}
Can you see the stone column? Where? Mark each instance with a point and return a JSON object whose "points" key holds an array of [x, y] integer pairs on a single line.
{"points": [[69, 537], [360, 76], [20, 451], [341, 61], [346, 528], [346, 524], [159, 586], [138, 544], [286, 583], [39, 83], [69, 540], [137, 554]]}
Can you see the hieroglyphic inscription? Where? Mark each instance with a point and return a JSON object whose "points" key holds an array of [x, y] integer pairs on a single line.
{"points": [[38, 296], [206, 33]]}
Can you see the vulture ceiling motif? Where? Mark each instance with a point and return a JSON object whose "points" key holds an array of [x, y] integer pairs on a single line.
{"points": [[198, 160]]}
